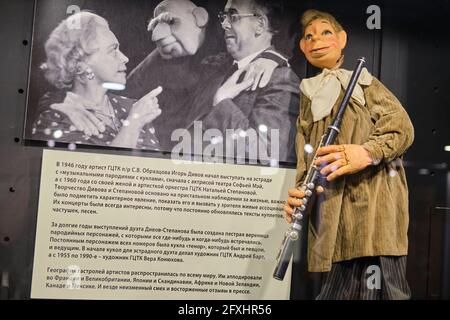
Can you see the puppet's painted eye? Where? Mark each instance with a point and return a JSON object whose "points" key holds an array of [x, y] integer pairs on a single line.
{"points": [[327, 33], [308, 36]]}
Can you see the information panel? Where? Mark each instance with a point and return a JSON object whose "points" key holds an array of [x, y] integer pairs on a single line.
{"points": [[121, 227]]}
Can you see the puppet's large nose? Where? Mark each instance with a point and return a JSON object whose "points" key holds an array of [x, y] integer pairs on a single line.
{"points": [[161, 31]]}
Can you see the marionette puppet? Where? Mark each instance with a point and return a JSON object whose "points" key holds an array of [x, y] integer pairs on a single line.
{"points": [[362, 216]]}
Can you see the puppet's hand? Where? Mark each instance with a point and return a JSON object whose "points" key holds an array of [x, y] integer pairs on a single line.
{"points": [[231, 88], [339, 160], [261, 72], [81, 119], [293, 201]]}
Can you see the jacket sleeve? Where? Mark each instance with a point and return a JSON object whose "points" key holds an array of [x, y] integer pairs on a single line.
{"points": [[275, 107], [393, 132]]}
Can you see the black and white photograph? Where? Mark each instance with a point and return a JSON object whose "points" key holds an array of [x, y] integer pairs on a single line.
{"points": [[159, 74]]}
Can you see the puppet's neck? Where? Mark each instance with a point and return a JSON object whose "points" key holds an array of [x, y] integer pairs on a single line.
{"points": [[339, 63]]}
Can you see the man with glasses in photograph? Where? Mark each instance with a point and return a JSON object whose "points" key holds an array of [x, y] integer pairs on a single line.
{"points": [[182, 35], [225, 99]]}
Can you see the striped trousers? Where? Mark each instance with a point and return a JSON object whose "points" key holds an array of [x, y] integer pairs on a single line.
{"points": [[368, 278]]}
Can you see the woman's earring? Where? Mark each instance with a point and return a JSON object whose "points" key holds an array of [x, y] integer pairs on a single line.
{"points": [[90, 74]]}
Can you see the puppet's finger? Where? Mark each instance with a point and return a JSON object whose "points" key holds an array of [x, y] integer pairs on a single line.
{"points": [[332, 167], [338, 173], [331, 157], [329, 149]]}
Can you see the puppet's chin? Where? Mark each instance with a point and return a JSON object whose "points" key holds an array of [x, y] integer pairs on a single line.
{"points": [[172, 51]]}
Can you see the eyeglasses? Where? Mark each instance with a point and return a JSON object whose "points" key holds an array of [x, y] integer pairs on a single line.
{"points": [[233, 16]]}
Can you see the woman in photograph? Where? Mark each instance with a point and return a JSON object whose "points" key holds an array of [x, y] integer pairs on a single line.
{"points": [[84, 60]]}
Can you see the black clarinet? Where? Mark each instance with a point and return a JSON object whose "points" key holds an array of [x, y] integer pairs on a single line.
{"points": [[309, 184]]}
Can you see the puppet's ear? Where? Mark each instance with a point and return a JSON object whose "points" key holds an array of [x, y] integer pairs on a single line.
{"points": [[303, 45], [201, 17], [342, 36]]}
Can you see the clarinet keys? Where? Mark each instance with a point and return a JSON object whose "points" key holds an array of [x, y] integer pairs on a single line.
{"points": [[298, 216], [293, 235]]}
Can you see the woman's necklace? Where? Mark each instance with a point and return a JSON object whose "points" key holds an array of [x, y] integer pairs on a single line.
{"points": [[108, 117], [103, 111]]}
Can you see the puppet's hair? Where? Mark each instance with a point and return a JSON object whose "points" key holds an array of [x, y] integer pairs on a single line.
{"points": [[312, 14]]}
